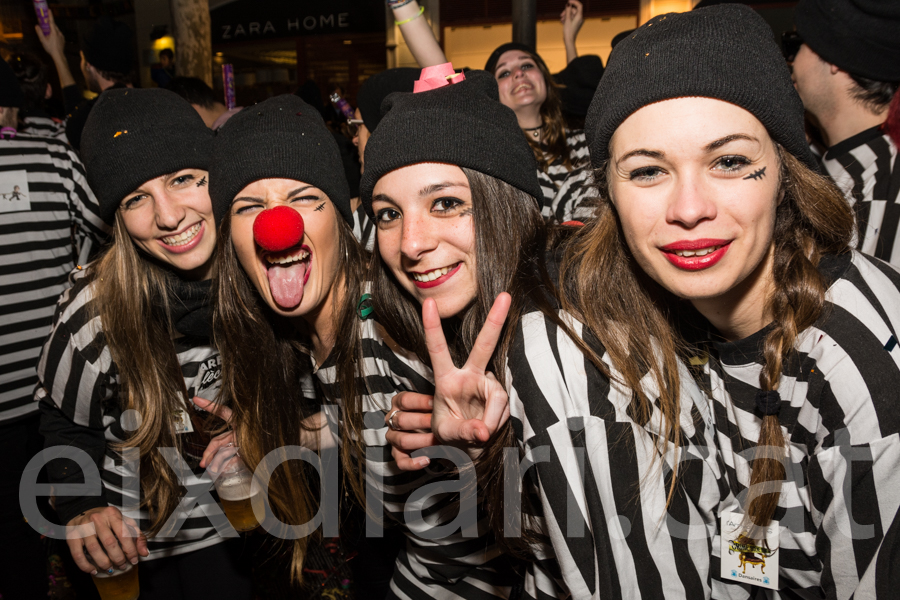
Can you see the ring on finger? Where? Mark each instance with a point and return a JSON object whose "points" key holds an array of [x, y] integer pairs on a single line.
{"points": [[391, 420]]}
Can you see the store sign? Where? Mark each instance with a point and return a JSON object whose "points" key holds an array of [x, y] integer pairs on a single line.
{"points": [[244, 20]]}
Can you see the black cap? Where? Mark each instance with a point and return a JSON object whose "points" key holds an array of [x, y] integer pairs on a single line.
{"points": [[461, 124], [378, 87], [861, 37], [132, 136], [725, 52], [491, 65], [279, 137], [10, 91], [110, 46], [578, 82]]}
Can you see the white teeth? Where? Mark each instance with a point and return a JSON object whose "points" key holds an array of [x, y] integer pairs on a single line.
{"points": [[184, 237], [431, 275], [701, 252], [296, 255]]}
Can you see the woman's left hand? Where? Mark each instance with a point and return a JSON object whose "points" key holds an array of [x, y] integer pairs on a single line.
{"points": [[470, 405], [572, 18]]}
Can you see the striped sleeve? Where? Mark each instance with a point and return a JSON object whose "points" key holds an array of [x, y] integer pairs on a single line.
{"points": [[451, 565], [78, 381], [865, 167], [566, 189], [363, 228], [839, 414], [604, 479]]}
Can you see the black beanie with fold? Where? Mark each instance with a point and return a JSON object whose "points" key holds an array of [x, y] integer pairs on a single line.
{"points": [[861, 37], [378, 87], [282, 137], [134, 135], [462, 124], [725, 52]]}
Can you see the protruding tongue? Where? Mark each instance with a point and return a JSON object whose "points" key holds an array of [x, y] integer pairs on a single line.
{"points": [[286, 283]]}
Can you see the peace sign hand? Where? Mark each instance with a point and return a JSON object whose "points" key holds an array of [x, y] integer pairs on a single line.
{"points": [[470, 405]]}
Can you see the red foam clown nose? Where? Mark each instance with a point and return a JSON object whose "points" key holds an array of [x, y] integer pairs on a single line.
{"points": [[278, 228]]}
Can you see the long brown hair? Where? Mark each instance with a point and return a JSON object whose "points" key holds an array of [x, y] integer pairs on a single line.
{"points": [[510, 243], [132, 301], [812, 219], [264, 359]]}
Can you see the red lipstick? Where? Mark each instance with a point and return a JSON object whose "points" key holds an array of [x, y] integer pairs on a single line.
{"points": [[430, 284], [695, 263]]}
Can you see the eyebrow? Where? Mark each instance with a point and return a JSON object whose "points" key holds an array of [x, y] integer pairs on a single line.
{"points": [[256, 199], [715, 145], [521, 58], [438, 187], [710, 147]]}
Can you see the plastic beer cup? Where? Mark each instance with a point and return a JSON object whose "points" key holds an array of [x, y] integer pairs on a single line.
{"points": [[122, 584]]}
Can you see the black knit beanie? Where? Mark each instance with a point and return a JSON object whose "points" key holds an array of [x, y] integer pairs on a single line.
{"points": [[378, 87], [491, 65], [132, 136], [280, 137], [461, 124], [861, 37], [10, 90], [725, 52], [110, 47]]}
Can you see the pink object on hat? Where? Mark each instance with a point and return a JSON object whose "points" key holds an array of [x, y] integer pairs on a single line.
{"points": [[437, 76]]}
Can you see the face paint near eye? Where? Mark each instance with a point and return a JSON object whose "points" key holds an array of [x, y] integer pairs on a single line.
{"points": [[757, 174]]}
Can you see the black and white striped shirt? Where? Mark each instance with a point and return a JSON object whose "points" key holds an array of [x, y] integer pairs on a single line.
{"points": [[565, 189], [79, 393], [452, 567], [865, 167], [840, 417], [44, 126], [37, 223], [604, 481]]}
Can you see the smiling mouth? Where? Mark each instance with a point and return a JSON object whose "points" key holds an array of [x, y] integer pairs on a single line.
{"points": [[185, 237], [432, 275], [288, 271], [699, 252]]}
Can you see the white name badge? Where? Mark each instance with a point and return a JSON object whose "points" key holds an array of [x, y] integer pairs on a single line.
{"points": [[14, 193], [182, 422], [755, 562]]}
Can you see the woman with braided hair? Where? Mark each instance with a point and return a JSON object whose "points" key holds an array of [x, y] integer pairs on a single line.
{"points": [[709, 188]]}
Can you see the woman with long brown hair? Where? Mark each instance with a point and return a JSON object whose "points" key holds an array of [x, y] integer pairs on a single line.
{"points": [[291, 304], [711, 197], [130, 345], [527, 87], [623, 480]]}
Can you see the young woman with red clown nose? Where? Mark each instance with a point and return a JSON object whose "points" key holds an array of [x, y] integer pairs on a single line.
{"points": [[712, 203], [292, 304], [624, 491]]}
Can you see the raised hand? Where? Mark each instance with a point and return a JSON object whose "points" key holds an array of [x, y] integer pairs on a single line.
{"points": [[572, 18], [470, 405]]}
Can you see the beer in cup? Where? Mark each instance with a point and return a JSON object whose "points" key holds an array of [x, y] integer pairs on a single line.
{"points": [[237, 490], [121, 585]]}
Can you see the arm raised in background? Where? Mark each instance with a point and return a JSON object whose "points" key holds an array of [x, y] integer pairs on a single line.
{"points": [[572, 18], [55, 45], [417, 32]]}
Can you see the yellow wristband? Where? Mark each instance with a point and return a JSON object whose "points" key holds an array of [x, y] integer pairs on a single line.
{"points": [[418, 14]]}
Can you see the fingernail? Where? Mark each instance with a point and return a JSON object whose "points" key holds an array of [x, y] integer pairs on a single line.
{"points": [[110, 570], [94, 572], [423, 461], [134, 560], [431, 404]]}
